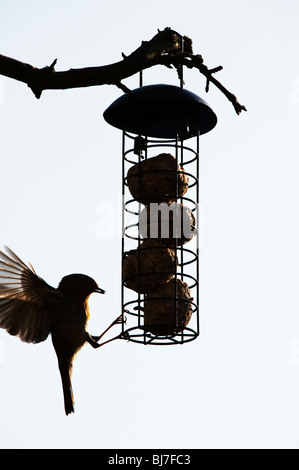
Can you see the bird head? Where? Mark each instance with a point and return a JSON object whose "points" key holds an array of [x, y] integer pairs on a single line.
{"points": [[79, 285]]}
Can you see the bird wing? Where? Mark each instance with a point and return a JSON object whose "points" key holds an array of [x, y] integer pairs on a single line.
{"points": [[24, 299]]}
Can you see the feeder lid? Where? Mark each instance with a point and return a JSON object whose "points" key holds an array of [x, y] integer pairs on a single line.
{"points": [[161, 111]]}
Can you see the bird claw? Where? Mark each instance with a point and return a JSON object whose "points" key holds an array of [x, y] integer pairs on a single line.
{"points": [[95, 338], [119, 320]]}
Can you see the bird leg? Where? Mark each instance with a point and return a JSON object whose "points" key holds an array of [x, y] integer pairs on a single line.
{"points": [[96, 345], [93, 340], [117, 321]]}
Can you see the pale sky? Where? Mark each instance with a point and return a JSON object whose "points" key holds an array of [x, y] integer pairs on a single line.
{"points": [[237, 385]]}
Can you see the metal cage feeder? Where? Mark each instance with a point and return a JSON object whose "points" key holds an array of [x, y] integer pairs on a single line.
{"points": [[160, 214]]}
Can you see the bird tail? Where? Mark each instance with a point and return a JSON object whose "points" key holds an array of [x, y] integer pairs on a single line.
{"points": [[65, 368]]}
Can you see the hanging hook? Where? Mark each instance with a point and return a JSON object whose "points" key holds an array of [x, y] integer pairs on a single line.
{"points": [[180, 67]]}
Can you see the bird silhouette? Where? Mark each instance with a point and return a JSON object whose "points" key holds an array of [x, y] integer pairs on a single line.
{"points": [[31, 309]]}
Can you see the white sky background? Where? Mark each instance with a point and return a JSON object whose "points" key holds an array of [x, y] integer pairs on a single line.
{"points": [[237, 386]]}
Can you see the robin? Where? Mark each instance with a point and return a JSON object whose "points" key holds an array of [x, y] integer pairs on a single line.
{"points": [[31, 309]]}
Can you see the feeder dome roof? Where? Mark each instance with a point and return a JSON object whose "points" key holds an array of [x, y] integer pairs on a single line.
{"points": [[162, 111]]}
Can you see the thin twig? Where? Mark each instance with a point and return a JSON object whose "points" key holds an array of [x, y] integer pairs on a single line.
{"points": [[167, 48]]}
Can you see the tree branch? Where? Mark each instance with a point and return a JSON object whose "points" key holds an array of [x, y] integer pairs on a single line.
{"points": [[166, 48]]}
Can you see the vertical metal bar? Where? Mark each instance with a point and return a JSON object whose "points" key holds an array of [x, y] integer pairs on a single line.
{"points": [[182, 223], [174, 230], [139, 267], [147, 226], [182, 215], [198, 227], [123, 228]]}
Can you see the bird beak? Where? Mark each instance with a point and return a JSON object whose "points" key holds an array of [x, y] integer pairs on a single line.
{"points": [[100, 291]]}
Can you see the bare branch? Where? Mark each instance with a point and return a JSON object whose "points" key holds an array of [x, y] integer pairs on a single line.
{"points": [[167, 48]]}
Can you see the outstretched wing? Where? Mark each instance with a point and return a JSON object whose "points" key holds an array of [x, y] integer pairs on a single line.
{"points": [[24, 299]]}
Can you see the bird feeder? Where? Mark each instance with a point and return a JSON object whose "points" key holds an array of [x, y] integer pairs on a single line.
{"points": [[161, 126]]}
